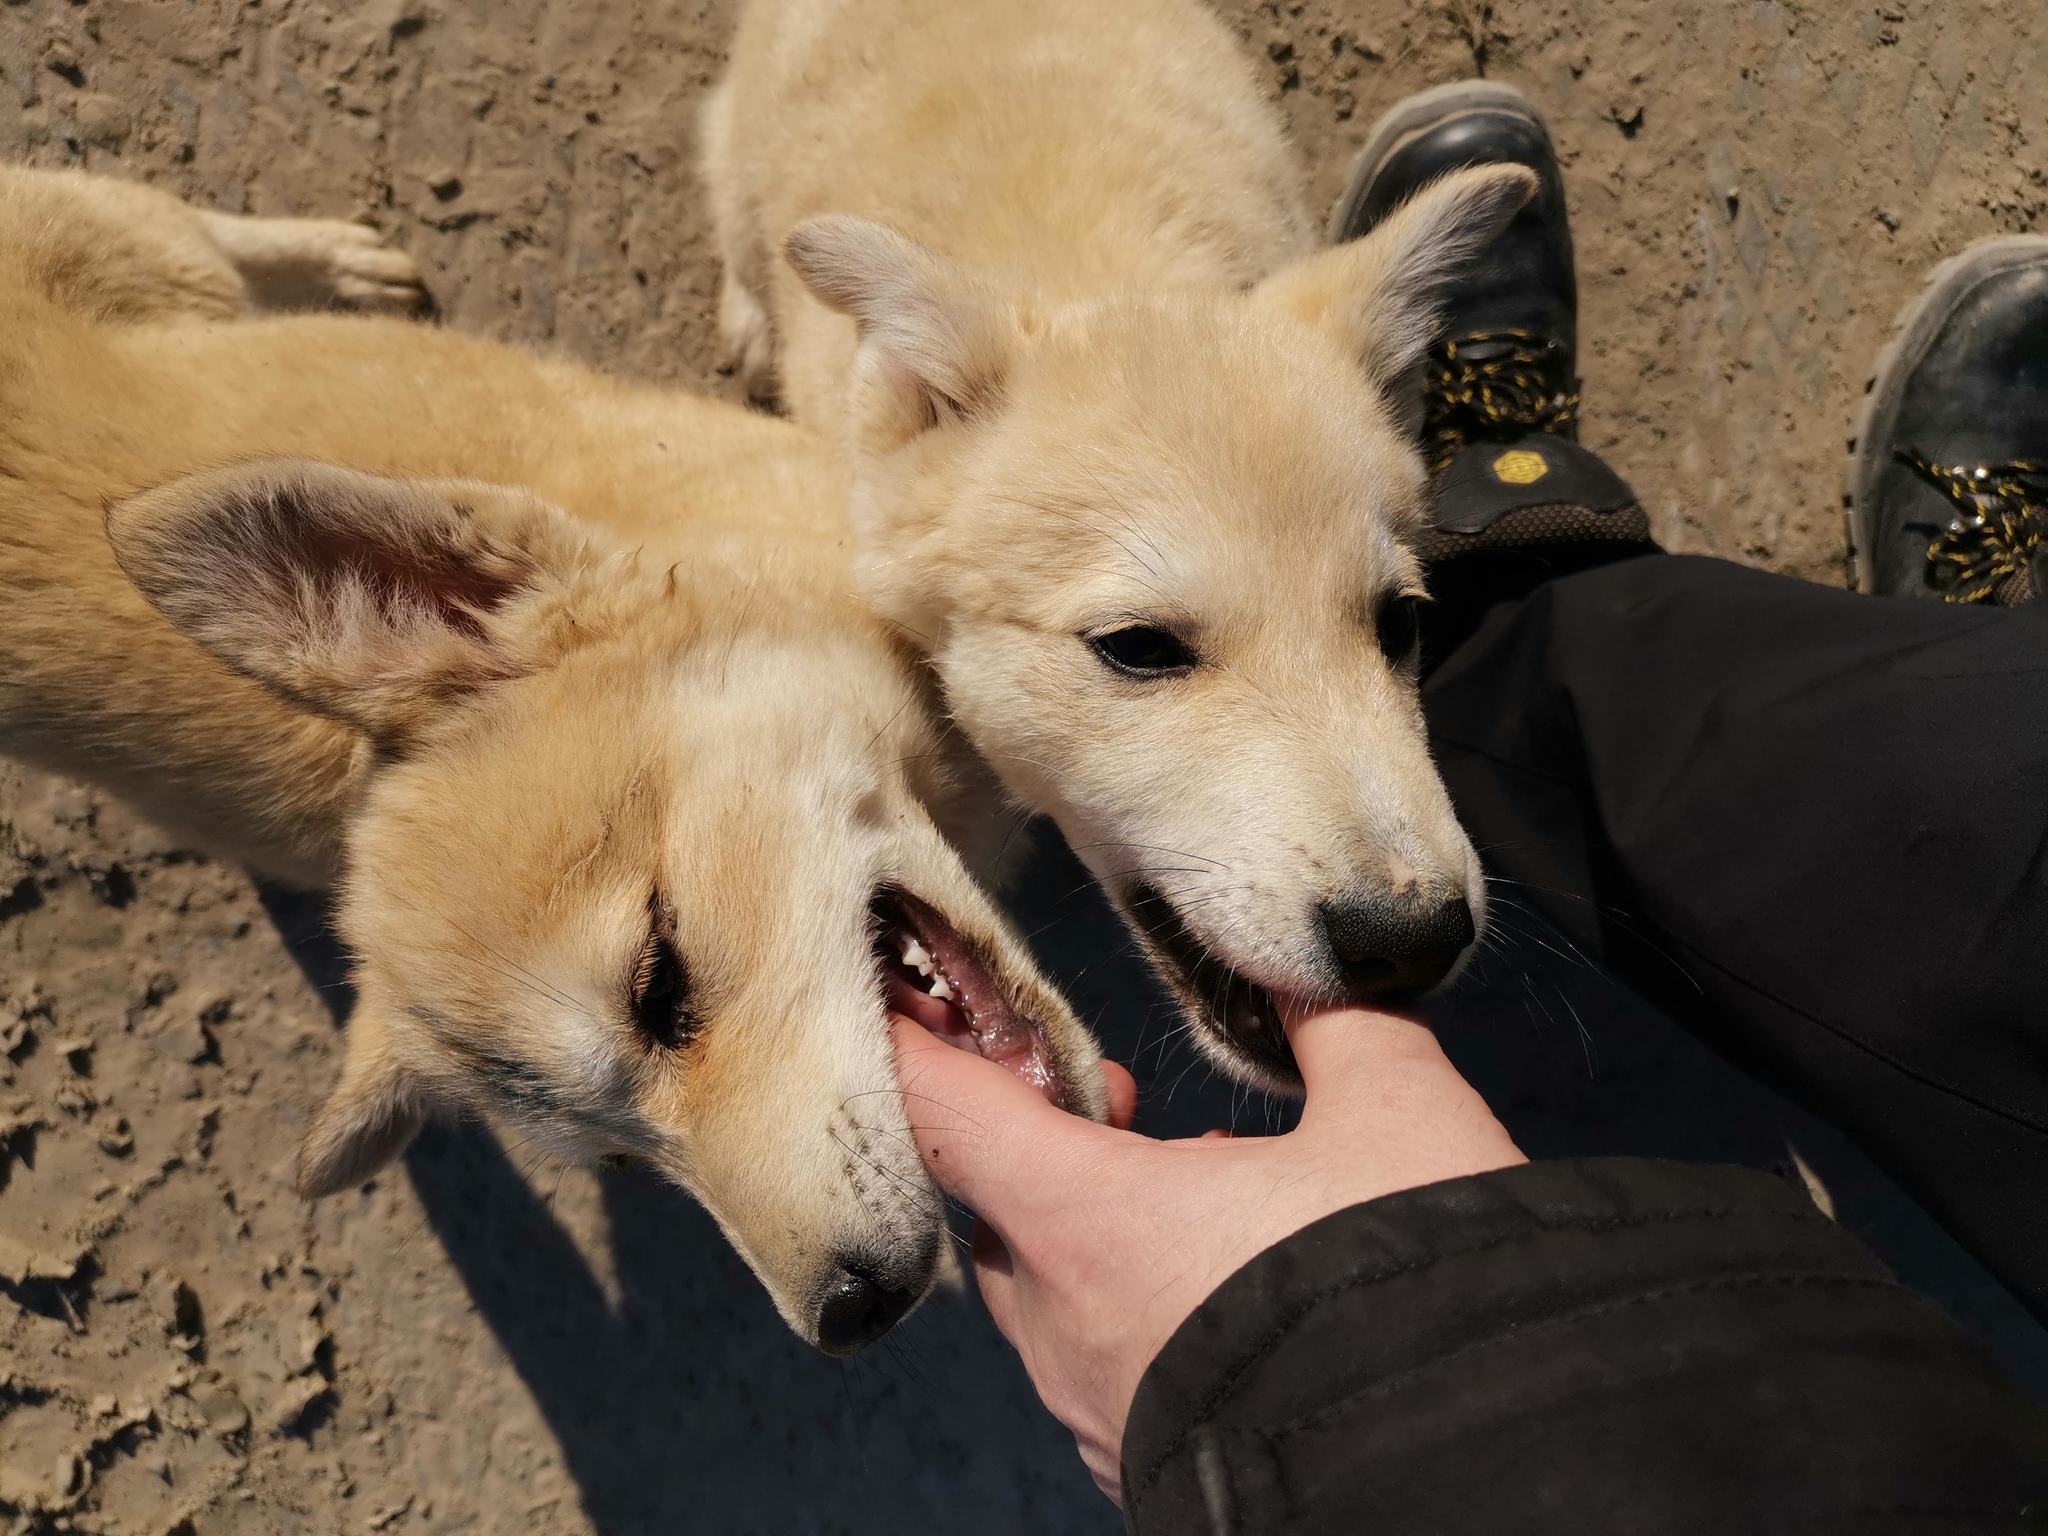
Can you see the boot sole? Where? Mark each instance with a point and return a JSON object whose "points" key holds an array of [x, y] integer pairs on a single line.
{"points": [[1416, 114], [1884, 390]]}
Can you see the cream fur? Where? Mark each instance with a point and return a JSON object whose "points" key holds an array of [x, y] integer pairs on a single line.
{"points": [[1048, 271], [528, 653]]}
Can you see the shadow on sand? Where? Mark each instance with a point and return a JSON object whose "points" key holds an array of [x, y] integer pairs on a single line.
{"points": [[682, 1403]]}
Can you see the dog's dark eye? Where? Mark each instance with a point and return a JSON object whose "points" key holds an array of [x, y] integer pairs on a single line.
{"points": [[1399, 623], [1143, 650], [661, 988]]}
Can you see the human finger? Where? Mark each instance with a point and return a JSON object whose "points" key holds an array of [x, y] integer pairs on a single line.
{"points": [[988, 1139], [1122, 1091]]}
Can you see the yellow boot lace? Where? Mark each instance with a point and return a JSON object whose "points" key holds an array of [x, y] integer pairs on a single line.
{"points": [[1495, 384], [2001, 522]]}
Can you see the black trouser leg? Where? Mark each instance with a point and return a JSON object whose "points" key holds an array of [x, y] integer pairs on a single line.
{"points": [[1811, 825]]}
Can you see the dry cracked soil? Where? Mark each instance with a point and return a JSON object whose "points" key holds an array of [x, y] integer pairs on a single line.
{"points": [[480, 1343]]}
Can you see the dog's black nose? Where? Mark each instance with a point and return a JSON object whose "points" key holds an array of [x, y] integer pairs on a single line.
{"points": [[859, 1307], [1395, 946]]}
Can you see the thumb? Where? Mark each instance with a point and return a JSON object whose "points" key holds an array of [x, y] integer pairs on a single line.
{"points": [[986, 1138], [1122, 1091], [1352, 1055]]}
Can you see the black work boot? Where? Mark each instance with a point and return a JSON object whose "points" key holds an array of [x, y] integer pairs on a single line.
{"points": [[1518, 500], [1948, 468]]}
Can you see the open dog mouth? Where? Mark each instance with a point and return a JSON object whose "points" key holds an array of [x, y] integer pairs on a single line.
{"points": [[1239, 1013], [937, 978]]}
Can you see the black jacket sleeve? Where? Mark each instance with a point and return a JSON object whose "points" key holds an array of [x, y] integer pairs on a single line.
{"points": [[1607, 1345]]}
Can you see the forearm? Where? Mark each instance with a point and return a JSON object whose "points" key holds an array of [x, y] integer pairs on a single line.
{"points": [[1571, 1347]]}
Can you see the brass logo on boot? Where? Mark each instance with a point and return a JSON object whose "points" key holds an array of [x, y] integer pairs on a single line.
{"points": [[1519, 467]]}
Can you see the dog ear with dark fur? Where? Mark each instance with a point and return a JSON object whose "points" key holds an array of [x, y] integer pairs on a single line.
{"points": [[371, 600]]}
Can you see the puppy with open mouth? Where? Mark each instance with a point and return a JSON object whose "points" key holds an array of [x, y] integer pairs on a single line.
{"points": [[1134, 468], [626, 797]]}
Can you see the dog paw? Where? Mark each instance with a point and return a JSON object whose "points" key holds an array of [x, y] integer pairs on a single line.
{"points": [[320, 264], [363, 272], [746, 341], [757, 372]]}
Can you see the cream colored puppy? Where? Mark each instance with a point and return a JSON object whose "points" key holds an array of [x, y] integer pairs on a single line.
{"points": [[629, 793], [1132, 466]]}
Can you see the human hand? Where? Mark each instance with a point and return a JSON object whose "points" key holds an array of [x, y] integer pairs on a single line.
{"points": [[1095, 1244]]}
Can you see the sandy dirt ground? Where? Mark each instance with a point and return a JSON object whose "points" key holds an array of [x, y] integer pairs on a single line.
{"points": [[478, 1343]]}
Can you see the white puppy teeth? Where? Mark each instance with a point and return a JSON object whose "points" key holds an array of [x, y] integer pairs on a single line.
{"points": [[916, 957]]}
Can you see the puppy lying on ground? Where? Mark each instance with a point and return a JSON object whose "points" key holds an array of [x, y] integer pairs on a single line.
{"points": [[1132, 467], [631, 795]]}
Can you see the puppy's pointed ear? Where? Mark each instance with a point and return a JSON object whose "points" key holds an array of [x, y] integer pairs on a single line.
{"points": [[936, 338], [372, 1115], [371, 600], [1378, 296]]}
